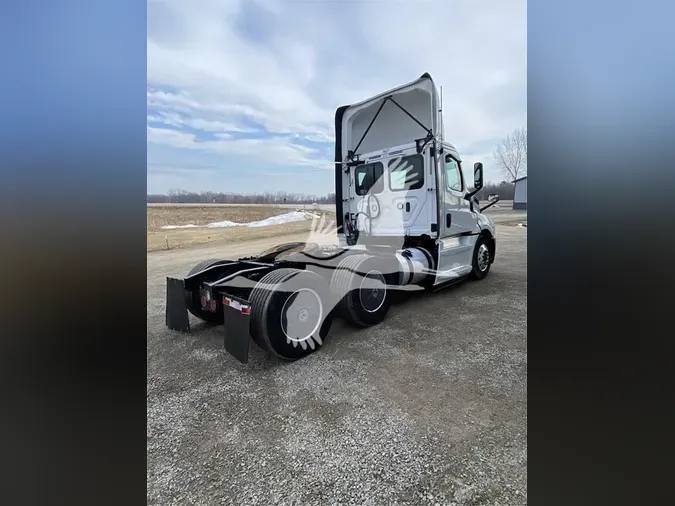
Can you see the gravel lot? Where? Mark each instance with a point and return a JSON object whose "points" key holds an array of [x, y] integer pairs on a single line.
{"points": [[429, 407]]}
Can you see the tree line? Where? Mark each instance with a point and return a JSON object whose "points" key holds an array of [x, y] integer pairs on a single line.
{"points": [[510, 157], [205, 197], [504, 189]]}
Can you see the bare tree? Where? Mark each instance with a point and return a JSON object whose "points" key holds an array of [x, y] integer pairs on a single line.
{"points": [[511, 154]]}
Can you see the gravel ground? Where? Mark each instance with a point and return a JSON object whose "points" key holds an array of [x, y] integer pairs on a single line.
{"points": [[429, 407]]}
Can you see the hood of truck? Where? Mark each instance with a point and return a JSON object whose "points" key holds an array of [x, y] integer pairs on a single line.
{"points": [[392, 127]]}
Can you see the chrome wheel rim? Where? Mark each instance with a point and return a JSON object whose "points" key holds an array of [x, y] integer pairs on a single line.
{"points": [[483, 257], [372, 291], [301, 315]]}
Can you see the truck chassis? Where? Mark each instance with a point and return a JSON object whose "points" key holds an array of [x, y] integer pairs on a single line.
{"points": [[286, 298]]}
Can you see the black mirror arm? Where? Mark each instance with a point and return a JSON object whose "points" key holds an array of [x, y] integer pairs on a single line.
{"points": [[472, 193], [489, 205], [469, 196]]}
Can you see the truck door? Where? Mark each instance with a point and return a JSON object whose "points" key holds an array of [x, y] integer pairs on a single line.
{"points": [[405, 195], [458, 223], [390, 194], [365, 193]]}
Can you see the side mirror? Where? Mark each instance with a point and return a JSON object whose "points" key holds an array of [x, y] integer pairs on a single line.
{"points": [[477, 183], [477, 176]]}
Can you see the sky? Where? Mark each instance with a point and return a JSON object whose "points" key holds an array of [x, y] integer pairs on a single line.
{"points": [[242, 94]]}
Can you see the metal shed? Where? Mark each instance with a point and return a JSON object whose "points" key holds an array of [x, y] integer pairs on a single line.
{"points": [[520, 194]]}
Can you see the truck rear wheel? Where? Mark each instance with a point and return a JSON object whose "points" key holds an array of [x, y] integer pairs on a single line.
{"points": [[193, 302], [290, 312], [359, 283]]}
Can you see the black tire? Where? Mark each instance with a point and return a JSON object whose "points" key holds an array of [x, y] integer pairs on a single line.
{"points": [[482, 259], [363, 306], [192, 299], [290, 313]]}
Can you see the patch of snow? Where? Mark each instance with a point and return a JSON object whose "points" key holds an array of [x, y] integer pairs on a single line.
{"points": [[282, 218], [274, 220], [167, 227], [223, 224]]}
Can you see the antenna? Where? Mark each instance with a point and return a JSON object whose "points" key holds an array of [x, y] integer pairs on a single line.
{"points": [[440, 113]]}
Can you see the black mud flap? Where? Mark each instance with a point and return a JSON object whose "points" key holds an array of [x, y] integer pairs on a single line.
{"points": [[236, 316], [176, 312]]}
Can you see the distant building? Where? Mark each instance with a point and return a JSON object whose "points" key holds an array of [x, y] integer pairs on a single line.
{"points": [[520, 194]]}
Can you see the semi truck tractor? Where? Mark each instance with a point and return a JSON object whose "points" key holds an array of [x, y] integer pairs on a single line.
{"points": [[406, 219]]}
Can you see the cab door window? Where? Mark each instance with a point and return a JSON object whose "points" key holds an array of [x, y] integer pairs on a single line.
{"points": [[368, 179], [406, 173]]}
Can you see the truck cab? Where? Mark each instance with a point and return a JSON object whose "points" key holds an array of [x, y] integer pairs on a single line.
{"points": [[389, 194], [400, 183]]}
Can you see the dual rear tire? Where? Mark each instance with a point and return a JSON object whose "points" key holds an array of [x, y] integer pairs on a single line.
{"points": [[292, 310]]}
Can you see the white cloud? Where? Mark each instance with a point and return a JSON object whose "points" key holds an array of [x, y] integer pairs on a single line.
{"points": [[232, 67], [176, 120], [272, 150]]}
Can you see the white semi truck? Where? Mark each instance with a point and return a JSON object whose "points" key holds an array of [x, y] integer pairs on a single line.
{"points": [[405, 218]]}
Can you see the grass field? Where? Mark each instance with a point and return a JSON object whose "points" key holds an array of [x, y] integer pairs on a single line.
{"points": [[177, 214], [160, 215]]}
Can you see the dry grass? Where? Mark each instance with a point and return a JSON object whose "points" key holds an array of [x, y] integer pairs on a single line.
{"points": [[162, 215], [308, 207]]}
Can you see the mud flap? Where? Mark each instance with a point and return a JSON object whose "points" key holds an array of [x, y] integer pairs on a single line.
{"points": [[176, 313], [236, 316]]}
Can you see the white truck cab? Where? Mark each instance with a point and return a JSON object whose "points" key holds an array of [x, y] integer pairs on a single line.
{"points": [[398, 182]]}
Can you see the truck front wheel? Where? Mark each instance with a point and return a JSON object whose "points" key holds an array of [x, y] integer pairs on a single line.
{"points": [[482, 259]]}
